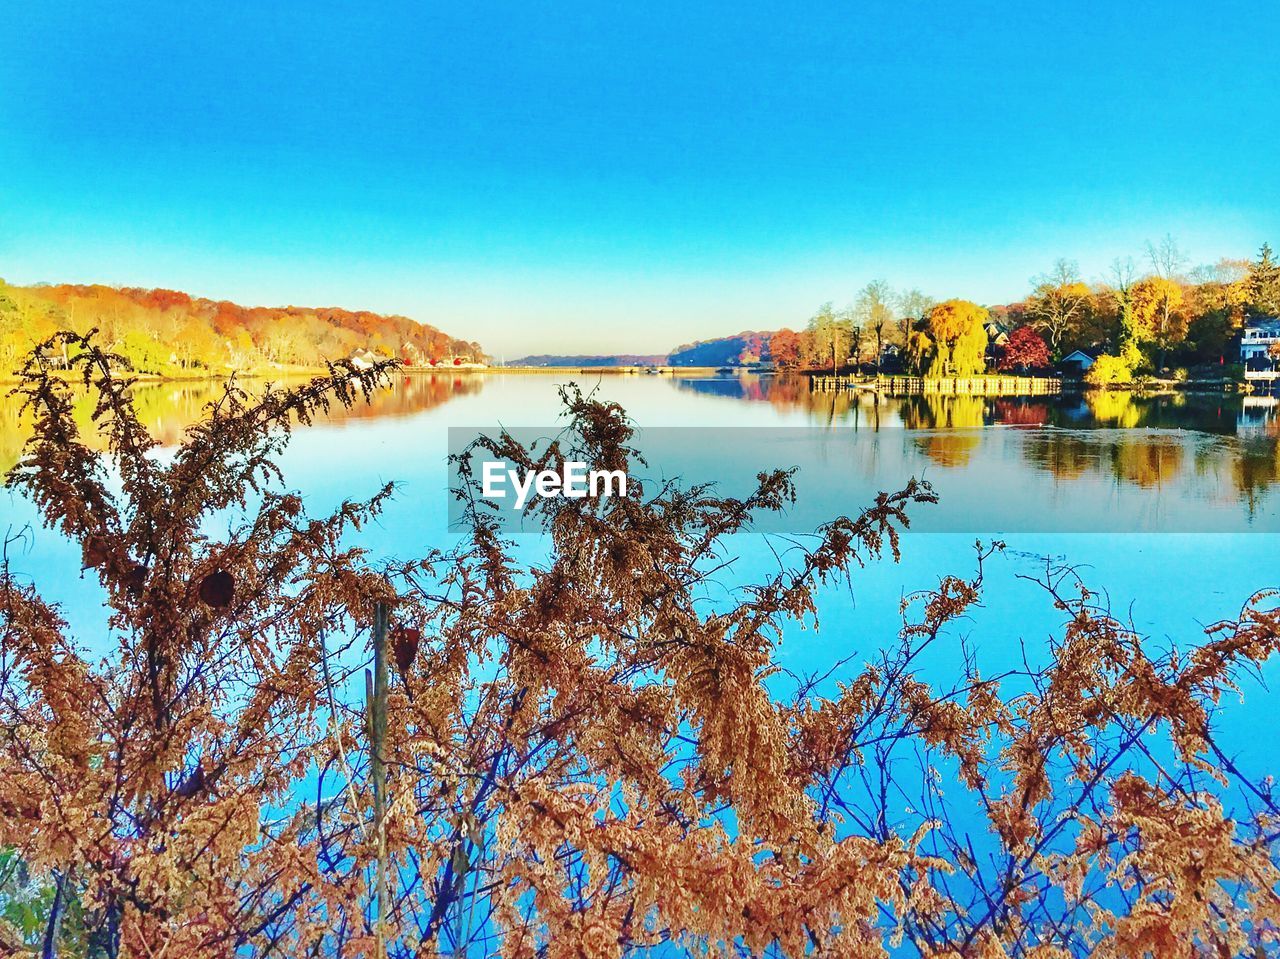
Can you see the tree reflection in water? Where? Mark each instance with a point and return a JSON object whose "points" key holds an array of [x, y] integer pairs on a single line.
{"points": [[1145, 441], [168, 408]]}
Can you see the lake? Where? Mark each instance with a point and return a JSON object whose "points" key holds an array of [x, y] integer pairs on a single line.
{"points": [[1169, 505]]}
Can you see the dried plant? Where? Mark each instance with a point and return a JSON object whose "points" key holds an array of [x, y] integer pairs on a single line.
{"points": [[155, 779], [596, 752]]}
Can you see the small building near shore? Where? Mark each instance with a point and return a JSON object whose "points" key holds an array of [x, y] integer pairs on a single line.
{"points": [[364, 359], [1260, 348], [890, 358], [1077, 362]]}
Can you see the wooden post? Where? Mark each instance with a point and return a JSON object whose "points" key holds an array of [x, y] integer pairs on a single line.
{"points": [[377, 706]]}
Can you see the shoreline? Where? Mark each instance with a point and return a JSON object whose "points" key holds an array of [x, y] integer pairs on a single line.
{"points": [[308, 372], [1069, 387]]}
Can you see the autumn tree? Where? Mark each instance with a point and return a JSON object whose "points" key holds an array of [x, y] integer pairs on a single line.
{"points": [[919, 352], [786, 349], [168, 332], [1116, 299], [1026, 350], [875, 312], [1060, 303], [830, 336], [12, 336], [958, 331], [1158, 318], [1215, 303], [1109, 370]]}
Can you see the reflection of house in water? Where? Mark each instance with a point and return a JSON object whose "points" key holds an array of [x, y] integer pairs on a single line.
{"points": [[1259, 414], [1260, 349]]}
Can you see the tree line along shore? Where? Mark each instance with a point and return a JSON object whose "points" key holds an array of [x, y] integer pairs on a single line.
{"points": [[1153, 318], [1147, 322]]}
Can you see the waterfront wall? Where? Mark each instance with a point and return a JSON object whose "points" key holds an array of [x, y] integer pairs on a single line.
{"points": [[959, 385]]}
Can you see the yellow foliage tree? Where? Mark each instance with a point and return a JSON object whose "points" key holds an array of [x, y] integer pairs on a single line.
{"points": [[958, 328], [919, 351], [1158, 317], [1109, 370]]}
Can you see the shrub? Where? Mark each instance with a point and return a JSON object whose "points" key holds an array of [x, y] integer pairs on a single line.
{"points": [[1109, 370]]}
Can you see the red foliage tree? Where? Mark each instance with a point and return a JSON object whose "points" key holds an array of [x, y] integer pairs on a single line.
{"points": [[1026, 350]]}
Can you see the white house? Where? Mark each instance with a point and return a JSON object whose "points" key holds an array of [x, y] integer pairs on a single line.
{"points": [[1259, 347], [364, 359]]}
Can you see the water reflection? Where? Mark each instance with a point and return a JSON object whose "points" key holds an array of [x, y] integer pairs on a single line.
{"points": [[1202, 455], [1211, 413], [167, 409], [1218, 446]]}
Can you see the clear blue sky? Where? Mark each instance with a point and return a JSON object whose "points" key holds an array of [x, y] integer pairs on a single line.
{"points": [[624, 177]]}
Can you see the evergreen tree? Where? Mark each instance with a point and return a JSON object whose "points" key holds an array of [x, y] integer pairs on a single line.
{"points": [[1263, 284]]}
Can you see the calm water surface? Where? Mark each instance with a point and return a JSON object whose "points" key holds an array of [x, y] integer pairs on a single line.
{"points": [[1168, 505]]}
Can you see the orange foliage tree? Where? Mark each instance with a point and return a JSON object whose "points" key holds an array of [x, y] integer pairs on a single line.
{"points": [[787, 348], [585, 754]]}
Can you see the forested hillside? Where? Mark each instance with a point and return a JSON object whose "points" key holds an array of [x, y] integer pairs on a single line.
{"points": [[169, 333], [741, 349], [611, 359]]}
